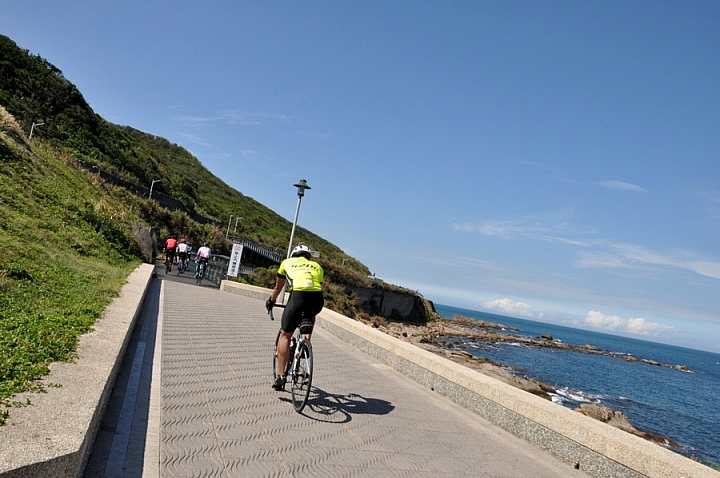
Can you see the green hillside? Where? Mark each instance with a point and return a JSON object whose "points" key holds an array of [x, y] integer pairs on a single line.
{"points": [[67, 249], [34, 91]]}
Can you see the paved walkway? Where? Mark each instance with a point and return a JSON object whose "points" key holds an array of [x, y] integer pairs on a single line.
{"points": [[198, 402]]}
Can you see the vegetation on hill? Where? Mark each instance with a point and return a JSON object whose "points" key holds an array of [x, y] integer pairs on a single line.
{"points": [[67, 250], [35, 91]]}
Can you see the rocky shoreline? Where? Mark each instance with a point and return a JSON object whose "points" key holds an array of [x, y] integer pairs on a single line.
{"points": [[437, 337]]}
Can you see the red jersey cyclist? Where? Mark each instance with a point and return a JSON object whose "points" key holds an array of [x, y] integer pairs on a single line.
{"points": [[170, 245]]}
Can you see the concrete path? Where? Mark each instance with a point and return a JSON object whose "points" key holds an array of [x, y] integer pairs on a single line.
{"points": [[195, 400]]}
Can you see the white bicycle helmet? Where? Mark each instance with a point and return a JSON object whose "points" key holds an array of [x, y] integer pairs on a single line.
{"points": [[301, 250]]}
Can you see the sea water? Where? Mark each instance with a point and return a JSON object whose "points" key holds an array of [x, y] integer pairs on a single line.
{"points": [[681, 405]]}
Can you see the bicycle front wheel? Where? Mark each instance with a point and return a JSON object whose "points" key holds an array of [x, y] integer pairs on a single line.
{"points": [[301, 379]]}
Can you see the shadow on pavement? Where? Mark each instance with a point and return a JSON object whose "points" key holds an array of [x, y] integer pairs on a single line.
{"points": [[333, 408]]}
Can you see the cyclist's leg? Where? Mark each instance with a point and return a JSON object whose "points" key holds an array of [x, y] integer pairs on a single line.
{"points": [[283, 351], [282, 360], [288, 324]]}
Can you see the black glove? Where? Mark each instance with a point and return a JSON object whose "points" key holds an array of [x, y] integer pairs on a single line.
{"points": [[269, 304]]}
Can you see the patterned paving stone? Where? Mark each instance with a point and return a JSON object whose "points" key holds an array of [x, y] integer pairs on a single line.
{"points": [[205, 407]]}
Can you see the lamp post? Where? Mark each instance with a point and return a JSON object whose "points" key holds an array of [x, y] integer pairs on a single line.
{"points": [[32, 128], [236, 221], [151, 187], [302, 186], [227, 233]]}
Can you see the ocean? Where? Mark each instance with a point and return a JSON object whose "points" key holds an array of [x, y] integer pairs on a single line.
{"points": [[684, 406]]}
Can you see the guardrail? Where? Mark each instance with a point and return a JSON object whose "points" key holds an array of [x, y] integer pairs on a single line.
{"points": [[217, 268]]}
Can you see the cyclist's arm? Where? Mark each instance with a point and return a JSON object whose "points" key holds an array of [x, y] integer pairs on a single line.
{"points": [[279, 284]]}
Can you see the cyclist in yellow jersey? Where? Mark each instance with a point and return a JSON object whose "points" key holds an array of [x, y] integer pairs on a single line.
{"points": [[306, 301]]}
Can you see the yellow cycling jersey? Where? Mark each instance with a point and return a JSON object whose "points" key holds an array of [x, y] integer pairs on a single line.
{"points": [[303, 274]]}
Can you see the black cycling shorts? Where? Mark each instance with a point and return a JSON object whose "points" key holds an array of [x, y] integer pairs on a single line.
{"points": [[300, 311]]}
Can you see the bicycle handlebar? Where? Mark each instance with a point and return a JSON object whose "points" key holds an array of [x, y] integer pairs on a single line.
{"points": [[270, 312]]}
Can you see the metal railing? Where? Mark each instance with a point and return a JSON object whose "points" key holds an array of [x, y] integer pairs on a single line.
{"points": [[217, 269], [267, 252]]}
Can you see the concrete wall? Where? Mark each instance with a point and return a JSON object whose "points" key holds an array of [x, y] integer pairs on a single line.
{"points": [[53, 437]]}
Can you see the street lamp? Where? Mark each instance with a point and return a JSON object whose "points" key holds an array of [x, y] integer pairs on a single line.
{"points": [[302, 186], [236, 221], [151, 187], [32, 128], [227, 233]]}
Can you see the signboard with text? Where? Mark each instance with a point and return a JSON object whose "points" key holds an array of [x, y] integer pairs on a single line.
{"points": [[234, 265]]}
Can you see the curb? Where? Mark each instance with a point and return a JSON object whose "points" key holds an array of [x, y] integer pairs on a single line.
{"points": [[591, 446], [54, 436]]}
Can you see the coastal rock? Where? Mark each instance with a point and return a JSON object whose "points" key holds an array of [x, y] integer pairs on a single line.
{"points": [[546, 336], [619, 420], [588, 347], [467, 321], [495, 370], [441, 337]]}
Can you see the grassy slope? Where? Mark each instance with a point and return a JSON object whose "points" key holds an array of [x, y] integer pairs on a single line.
{"points": [[64, 258]]}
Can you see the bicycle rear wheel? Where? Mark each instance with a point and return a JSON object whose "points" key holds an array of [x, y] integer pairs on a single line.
{"points": [[200, 274], [301, 379]]}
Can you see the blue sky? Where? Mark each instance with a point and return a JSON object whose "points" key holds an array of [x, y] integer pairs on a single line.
{"points": [[558, 161]]}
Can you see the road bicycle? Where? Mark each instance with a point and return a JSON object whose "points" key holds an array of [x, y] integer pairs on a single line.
{"points": [[183, 264], [200, 271], [299, 368], [168, 263]]}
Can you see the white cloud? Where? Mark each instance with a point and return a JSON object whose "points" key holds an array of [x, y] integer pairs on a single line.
{"points": [[196, 139], [466, 227], [602, 321], [641, 326], [631, 255], [232, 118], [622, 186], [514, 309], [551, 229], [634, 326]]}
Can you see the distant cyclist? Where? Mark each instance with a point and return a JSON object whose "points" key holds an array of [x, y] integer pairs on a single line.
{"points": [[305, 302], [170, 245], [183, 250], [202, 257]]}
